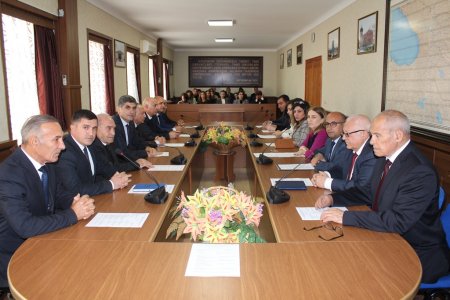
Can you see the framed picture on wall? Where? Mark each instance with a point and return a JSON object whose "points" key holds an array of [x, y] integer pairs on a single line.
{"points": [[120, 56], [299, 54], [367, 34], [333, 44], [281, 60], [289, 58]]}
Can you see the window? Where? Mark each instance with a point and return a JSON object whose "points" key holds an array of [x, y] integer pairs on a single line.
{"points": [[18, 37], [133, 73], [152, 77], [101, 81], [97, 77]]}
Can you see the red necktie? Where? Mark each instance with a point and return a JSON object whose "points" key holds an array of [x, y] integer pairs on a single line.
{"points": [[387, 165], [350, 171]]}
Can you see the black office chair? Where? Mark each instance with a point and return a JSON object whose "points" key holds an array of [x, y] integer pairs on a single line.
{"points": [[5, 294]]}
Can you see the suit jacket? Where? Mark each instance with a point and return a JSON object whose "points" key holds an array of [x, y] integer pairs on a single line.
{"points": [[75, 170], [136, 146], [338, 164], [283, 121], [227, 101], [164, 122], [154, 127], [146, 132], [109, 156], [408, 205], [23, 212], [361, 177]]}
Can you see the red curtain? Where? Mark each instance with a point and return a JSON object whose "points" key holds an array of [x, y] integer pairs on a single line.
{"points": [[109, 81], [155, 77], [137, 69], [48, 77], [166, 66]]}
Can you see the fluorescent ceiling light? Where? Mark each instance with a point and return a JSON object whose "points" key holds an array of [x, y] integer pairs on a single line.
{"points": [[224, 40], [220, 22]]}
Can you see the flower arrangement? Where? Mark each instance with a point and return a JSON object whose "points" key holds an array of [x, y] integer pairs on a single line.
{"points": [[226, 135], [217, 215]]}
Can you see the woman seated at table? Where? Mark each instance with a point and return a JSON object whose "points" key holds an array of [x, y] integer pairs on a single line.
{"points": [[241, 98], [297, 109], [204, 99], [317, 136]]}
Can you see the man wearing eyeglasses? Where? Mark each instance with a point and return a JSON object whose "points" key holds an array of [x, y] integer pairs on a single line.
{"points": [[360, 166], [404, 196], [334, 156]]}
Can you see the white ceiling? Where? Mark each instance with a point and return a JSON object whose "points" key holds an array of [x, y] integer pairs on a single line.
{"points": [[259, 24]]}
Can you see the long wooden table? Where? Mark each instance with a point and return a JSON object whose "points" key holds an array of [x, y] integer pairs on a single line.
{"points": [[106, 263]]}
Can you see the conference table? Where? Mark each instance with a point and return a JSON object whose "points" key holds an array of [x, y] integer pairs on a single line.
{"points": [[82, 262]]}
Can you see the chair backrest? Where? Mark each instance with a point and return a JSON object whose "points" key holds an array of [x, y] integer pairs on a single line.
{"points": [[441, 197], [445, 220]]}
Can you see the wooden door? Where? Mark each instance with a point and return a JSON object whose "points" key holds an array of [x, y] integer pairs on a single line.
{"points": [[313, 81]]}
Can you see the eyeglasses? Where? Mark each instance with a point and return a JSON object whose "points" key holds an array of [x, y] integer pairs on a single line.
{"points": [[332, 124], [347, 134], [336, 229]]}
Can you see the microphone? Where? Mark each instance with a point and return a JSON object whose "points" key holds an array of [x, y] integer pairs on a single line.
{"points": [[179, 159], [264, 160], [158, 195], [277, 196], [248, 127], [190, 143], [254, 135], [195, 135]]}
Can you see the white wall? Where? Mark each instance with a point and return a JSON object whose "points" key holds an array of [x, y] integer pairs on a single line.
{"points": [[351, 83], [181, 72], [93, 18]]}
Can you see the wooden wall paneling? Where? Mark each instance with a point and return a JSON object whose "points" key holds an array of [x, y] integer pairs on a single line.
{"points": [[67, 35]]}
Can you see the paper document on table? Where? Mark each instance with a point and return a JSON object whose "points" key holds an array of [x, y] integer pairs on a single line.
{"points": [[289, 167], [161, 154], [174, 145], [258, 126], [277, 154], [190, 126], [144, 188], [307, 181], [122, 220], [214, 260], [267, 131], [312, 213], [156, 168], [270, 144], [184, 135], [266, 136]]}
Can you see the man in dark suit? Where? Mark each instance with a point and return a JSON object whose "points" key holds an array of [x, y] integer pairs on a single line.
{"points": [[32, 200], [284, 121], [149, 105], [360, 164], [79, 167], [144, 131], [258, 99], [404, 194], [127, 139], [223, 99], [103, 146], [162, 120], [334, 157]]}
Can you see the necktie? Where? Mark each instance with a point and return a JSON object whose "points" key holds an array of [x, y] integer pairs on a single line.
{"points": [[331, 151], [85, 151], [44, 182], [350, 171], [387, 166], [127, 133], [157, 118]]}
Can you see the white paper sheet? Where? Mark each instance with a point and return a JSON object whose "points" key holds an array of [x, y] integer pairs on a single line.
{"points": [[125, 220], [169, 189], [307, 181], [174, 145], [270, 144], [313, 214], [288, 167], [190, 126], [266, 136], [161, 154], [214, 260], [185, 135], [258, 126], [173, 168], [266, 131], [277, 154]]}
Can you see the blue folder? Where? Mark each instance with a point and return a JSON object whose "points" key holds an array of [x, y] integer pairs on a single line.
{"points": [[291, 185]]}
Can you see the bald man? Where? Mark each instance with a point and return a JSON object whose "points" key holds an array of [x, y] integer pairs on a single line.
{"points": [[143, 129], [360, 164], [404, 195], [149, 106], [104, 146]]}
